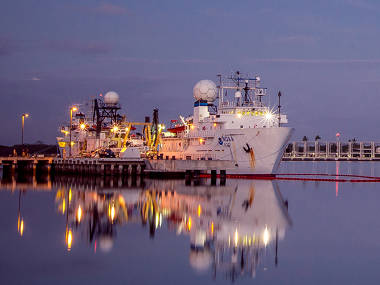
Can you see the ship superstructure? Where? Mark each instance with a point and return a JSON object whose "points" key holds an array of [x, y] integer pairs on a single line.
{"points": [[239, 129], [100, 130]]}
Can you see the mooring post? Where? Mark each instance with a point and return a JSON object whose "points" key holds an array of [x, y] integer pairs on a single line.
{"points": [[196, 177], [213, 177], [222, 177], [134, 170], [188, 177]]}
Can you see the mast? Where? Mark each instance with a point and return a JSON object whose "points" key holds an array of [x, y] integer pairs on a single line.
{"points": [[279, 108], [220, 91]]}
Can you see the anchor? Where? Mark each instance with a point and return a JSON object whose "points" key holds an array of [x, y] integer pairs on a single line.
{"points": [[248, 149]]}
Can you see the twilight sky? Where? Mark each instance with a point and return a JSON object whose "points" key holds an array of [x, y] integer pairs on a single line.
{"points": [[323, 55]]}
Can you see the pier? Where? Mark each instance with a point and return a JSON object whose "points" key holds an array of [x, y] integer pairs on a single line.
{"points": [[295, 151], [332, 151], [74, 166], [99, 166], [26, 164]]}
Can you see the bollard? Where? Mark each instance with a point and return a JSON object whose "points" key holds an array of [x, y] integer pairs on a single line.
{"points": [[134, 170], [196, 177], [188, 177], [213, 177], [222, 177]]}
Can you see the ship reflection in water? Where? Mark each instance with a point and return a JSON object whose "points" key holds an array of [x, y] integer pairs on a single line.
{"points": [[230, 229]]}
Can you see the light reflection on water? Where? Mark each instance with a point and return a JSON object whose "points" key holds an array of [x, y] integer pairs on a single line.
{"points": [[163, 231]]}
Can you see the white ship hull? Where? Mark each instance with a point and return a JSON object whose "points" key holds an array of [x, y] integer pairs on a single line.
{"points": [[252, 151]]}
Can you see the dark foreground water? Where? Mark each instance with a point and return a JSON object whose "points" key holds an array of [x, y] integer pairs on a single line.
{"points": [[82, 231]]}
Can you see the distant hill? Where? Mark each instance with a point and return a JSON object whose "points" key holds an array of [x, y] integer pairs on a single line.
{"points": [[45, 149]]}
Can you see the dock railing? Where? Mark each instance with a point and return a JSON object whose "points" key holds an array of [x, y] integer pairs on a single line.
{"points": [[323, 150]]}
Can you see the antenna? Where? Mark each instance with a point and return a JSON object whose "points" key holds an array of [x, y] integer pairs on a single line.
{"points": [[279, 108], [246, 89], [220, 91]]}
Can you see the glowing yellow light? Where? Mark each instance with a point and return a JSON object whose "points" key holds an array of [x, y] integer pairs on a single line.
{"points": [[69, 239], [63, 206], [82, 126], [126, 129], [74, 109], [121, 200], [115, 129], [236, 237], [22, 227], [26, 115], [72, 143], [192, 127], [189, 224], [266, 236], [214, 124], [157, 220], [268, 116], [79, 214], [199, 210], [111, 212], [239, 115], [70, 195], [212, 228], [65, 132], [201, 141]]}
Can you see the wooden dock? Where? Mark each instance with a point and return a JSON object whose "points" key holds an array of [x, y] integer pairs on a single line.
{"points": [[77, 166], [26, 164], [332, 151], [99, 166]]}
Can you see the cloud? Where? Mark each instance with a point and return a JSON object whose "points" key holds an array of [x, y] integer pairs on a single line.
{"points": [[159, 61], [296, 39], [35, 78], [362, 4], [110, 9], [7, 46], [80, 47], [106, 9], [317, 61]]}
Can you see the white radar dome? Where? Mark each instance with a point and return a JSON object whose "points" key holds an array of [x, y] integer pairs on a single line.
{"points": [[111, 97], [205, 90]]}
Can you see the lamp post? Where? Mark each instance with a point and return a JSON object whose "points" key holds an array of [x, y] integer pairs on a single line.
{"points": [[23, 116], [72, 109]]}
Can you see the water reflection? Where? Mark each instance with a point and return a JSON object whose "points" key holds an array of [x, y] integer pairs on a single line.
{"points": [[230, 229]]}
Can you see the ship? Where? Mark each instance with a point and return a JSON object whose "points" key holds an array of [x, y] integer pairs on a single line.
{"points": [[232, 130]]}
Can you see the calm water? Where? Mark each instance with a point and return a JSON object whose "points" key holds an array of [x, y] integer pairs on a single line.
{"points": [[81, 231]]}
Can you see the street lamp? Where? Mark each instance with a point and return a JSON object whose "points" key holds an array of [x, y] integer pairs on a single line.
{"points": [[72, 109], [23, 116]]}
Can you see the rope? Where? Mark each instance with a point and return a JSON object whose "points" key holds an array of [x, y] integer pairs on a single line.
{"points": [[364, 178]]}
